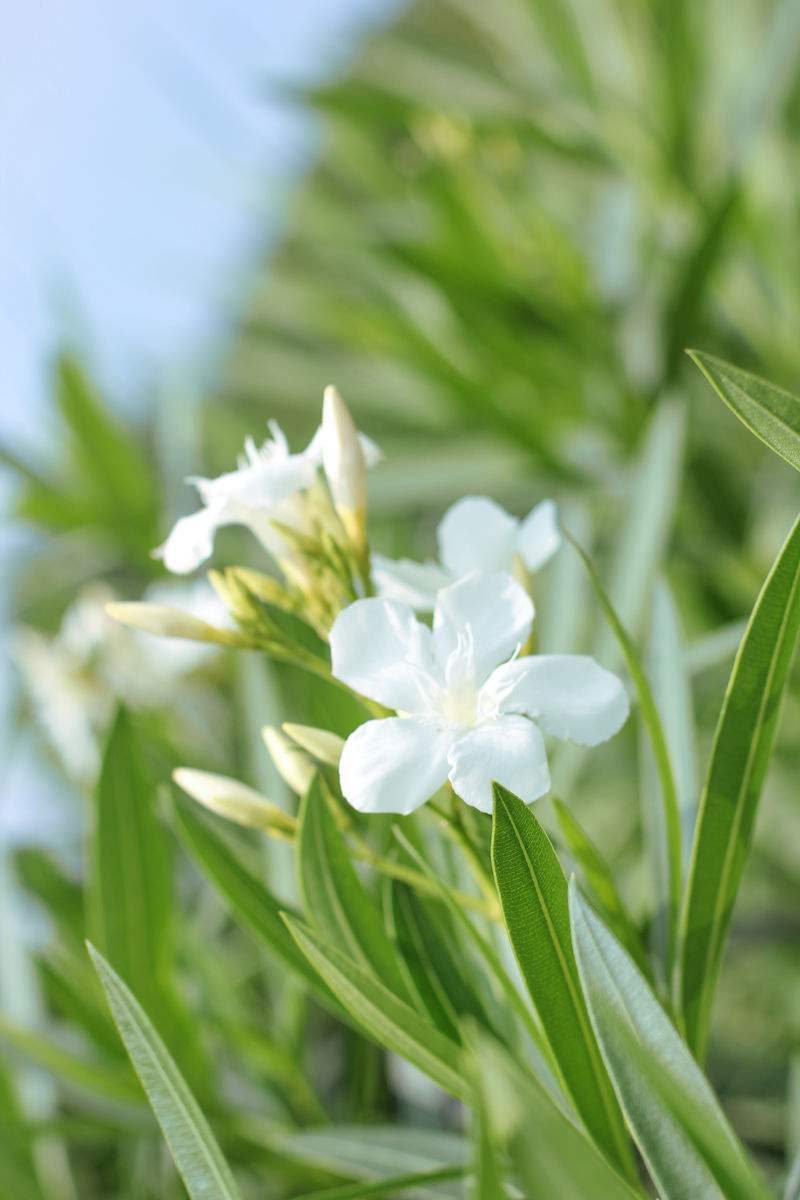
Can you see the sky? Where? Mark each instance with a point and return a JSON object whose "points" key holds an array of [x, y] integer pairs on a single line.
{"points": [[141, 153]]}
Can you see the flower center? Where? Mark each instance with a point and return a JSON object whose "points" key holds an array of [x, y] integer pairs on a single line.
{"points": [[460, 704]]}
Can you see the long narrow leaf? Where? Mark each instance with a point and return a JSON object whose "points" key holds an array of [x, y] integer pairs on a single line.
{"points": [[769, 412], [250, 900], [335, 900], [387, 1018], [550, 1155], [533, 894], [129, 901], [729, 803], [658, 741], [192, 1144], [678, 1125]]}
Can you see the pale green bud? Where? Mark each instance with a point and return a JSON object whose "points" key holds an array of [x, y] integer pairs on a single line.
{"points": [[291, 763], [235, 801], [326, 747], [344, 464], [170, 622]]}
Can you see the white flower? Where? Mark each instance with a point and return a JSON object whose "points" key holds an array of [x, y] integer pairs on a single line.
{"points": [[475, 534], [468, 709], [267, 486]]}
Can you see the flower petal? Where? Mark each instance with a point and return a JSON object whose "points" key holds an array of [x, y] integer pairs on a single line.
{"points": [[538, 536], [192, 540], [509, 751], [492, 613], [409, 582], [394, 765], [475, 534], [381, 650], [569, 695]]}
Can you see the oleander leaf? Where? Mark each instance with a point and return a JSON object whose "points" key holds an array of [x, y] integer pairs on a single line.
{"points": [[249, 899], [430, 952], [128, 895], [769, 412], [335, 900], [383, 1015], [533, 894], [738, 765], [192, 1144], [550, 1155], [679, 1127], [661, 754]]}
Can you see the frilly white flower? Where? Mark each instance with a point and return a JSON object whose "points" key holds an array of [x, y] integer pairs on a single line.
{"points": [[469, 710], [266, 487], [475, 534]]}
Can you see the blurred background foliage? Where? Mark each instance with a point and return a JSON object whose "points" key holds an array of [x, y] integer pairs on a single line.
{"points": [[521, 214]]}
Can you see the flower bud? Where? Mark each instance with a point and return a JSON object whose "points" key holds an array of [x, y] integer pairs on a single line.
{"points": [[235, 801], [170, 622], [324, 746], [292, 764], [345, 465]]}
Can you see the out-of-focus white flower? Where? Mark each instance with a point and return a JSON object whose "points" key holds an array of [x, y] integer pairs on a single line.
{"points": [[267, 486], [468, 709], [75, 678], [475, 534]]}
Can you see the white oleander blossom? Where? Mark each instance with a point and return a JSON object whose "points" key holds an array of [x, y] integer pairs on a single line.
{"points": [[267, 486], [469, 709], [475, 534]]}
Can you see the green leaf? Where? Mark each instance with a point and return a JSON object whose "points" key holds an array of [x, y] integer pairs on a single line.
{"points": [[658, 742], [769, 412], [18, 1175], [599, 880], [377, 1152], [128, 894], [506, 990], [432, 972], [335, 900], [192, 1144], [550, 1155], [382, 1014], [678, 1125], [729, 802], [533, 895], [385, 1187], [91, 1075], [249, 899]]}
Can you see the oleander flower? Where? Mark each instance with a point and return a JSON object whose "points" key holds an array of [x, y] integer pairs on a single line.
{"points": [[469, 709], [268, 486], [475, 534]]}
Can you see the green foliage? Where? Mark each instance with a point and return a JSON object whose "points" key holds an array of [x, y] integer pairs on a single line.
{"points": [[192, 1144], [769, 412], [729, 802], [679, 1128], [533, 892]]}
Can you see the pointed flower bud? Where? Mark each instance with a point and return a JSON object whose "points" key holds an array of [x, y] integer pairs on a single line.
{"points": [[324, 746], [344, 464], [170, 622], [292, 764], [235, 801]]}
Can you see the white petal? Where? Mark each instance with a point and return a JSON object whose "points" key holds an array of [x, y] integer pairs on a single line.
{"points": [[509, 751], [394, 765], [570, 695], [191, 541], [476, 534], [259, 484], [538, 536], [409, 582], [381, 650], [491, 611]]}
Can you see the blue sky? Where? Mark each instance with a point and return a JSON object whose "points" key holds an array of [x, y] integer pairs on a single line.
{"points": [[141, 154]]}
